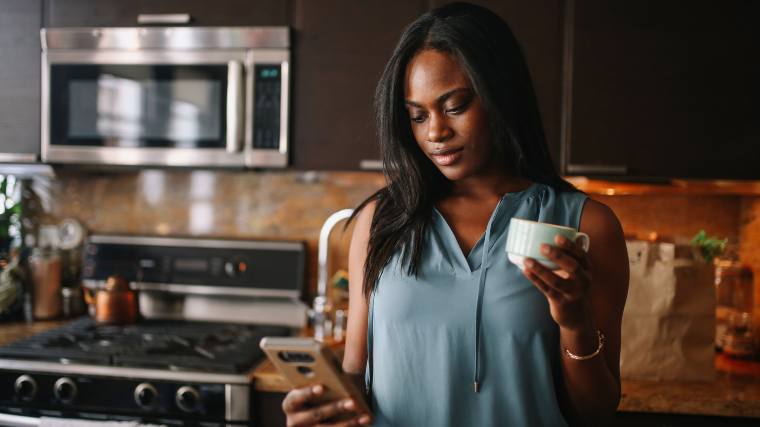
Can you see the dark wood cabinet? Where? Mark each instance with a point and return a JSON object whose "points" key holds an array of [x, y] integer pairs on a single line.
{"points": [[636, 90], [341, 47], [120, 13], [537, 25], [663, 89], [19, 80]]}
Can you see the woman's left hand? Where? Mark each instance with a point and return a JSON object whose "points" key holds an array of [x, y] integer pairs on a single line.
{"points": [[566, 289]]}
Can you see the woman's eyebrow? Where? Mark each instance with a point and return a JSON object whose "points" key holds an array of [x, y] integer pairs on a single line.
{"points": [[441, 99]]}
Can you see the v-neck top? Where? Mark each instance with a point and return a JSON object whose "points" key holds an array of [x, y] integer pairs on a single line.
{"points": [[468, 322]]}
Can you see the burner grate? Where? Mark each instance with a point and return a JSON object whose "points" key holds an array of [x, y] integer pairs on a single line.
{"points": [[152, 344]]}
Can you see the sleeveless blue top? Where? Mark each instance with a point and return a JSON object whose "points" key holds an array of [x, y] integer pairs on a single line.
{"points": [[465, 323]]}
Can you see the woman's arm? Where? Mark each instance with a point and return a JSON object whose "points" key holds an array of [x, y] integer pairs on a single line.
{"points": [[589, 295], [355, 357]]}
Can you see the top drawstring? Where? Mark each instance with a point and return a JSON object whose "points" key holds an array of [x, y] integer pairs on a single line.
{"points": [[479, 306]]}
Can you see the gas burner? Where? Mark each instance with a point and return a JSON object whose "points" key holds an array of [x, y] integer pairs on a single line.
{"points": [[195, 370], [152, 344]]}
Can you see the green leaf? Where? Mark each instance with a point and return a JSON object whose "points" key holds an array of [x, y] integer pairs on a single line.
{"points": [[708, 246]]}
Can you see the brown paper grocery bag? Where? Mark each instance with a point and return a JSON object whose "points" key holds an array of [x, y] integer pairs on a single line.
{"points": [[668, 326]]}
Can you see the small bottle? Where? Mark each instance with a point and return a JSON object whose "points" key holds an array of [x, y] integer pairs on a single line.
{"points": [[320, 318], [72, 301], [339, 330], [28, 308], [739, 339], [734, 292]]}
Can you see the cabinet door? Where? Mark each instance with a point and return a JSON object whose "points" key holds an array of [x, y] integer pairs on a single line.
{"points": [[537, 25], [121, 13], [663, 89], [90, 13], [19, 80], [340, 49]]}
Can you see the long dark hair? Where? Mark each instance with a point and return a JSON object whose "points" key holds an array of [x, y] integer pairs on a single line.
{"points": [[490, 55]]}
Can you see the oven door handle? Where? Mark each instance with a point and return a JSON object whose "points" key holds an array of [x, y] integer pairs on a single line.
{"points": [[234, 106], [18, 420]]}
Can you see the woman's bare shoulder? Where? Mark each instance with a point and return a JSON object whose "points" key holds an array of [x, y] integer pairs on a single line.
{"points": [[599, 220], [364, 217], [608, 253]]}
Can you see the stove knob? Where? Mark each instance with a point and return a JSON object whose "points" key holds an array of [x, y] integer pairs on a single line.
{"points": [[65, 390], [188, 399], [145, 395], [26, 388], [235, 268]]}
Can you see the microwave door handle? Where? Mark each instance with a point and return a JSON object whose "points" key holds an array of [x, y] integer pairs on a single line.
{"points": [[234, 106]]}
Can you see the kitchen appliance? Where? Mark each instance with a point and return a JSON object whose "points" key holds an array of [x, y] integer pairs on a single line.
{"points": [[166, 96], [205, 304]]}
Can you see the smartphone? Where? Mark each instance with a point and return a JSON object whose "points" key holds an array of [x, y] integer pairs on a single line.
{"points": [[305, 362]]}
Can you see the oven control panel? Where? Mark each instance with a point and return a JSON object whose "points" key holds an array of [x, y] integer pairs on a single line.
{"points": [[210, 266], [81, 396]]}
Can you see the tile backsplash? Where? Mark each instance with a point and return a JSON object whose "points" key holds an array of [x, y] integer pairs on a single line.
{"points": [[293, 205], [201, 203]]}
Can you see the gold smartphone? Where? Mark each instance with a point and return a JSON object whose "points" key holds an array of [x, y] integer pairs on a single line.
{"points": [[305, 362]]}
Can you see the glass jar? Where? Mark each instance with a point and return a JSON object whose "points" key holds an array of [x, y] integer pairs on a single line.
{"points": [[739, 340], [734, 292], [45, 269]]}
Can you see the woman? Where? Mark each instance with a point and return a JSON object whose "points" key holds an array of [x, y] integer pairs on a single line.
{"points": [[450, 332]]}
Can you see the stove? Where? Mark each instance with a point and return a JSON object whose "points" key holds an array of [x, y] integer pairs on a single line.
{"points": [[166, 345], [188, 361]]}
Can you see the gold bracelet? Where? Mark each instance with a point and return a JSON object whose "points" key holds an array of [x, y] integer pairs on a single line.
{"points": [[600, 346]]}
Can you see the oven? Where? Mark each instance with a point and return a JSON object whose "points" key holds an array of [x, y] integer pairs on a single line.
{"points": [[166, 96], [205, 304]]}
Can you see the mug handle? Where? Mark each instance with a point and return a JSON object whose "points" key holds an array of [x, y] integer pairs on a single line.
{"points": [[585, 240]]}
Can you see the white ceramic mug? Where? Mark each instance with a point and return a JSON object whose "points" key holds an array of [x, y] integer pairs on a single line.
{"points": [[526, 237]]}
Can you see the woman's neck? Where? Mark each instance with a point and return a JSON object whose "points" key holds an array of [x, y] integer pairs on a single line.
{"points": [[487, 186]]}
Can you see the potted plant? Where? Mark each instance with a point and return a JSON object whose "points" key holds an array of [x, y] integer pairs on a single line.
{"points": [[20, 207], [10, 234], [10, 214]]}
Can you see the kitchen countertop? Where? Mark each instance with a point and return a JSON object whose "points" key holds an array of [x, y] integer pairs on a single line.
{"points": [[735, 392]]}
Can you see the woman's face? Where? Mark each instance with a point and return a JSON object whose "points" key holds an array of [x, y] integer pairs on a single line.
{"points": [[447, 118]]}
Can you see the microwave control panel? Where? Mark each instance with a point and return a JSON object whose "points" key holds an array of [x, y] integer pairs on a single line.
{"points": [[266, 108]]}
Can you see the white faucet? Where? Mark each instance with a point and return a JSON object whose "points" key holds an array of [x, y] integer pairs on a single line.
{"points": [[320, 317]]}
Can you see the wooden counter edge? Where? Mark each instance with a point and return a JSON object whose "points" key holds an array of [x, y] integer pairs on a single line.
{"points": [[266, 379], [638, 396]]}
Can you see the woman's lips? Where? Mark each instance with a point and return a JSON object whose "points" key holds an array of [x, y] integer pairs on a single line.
{"points": [[447, 157]]}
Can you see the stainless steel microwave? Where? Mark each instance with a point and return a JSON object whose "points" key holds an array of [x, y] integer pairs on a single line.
{"points": [[166, 96]]}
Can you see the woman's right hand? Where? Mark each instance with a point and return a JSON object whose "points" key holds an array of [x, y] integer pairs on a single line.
{"points": [[299, 407]]}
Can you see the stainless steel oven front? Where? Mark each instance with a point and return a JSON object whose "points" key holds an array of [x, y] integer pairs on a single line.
{"points": [[166, 96]]}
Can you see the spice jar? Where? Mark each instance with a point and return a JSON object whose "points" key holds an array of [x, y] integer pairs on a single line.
{"points": [[45, 268], [72, 301], [739, 339], [734, 291]]}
